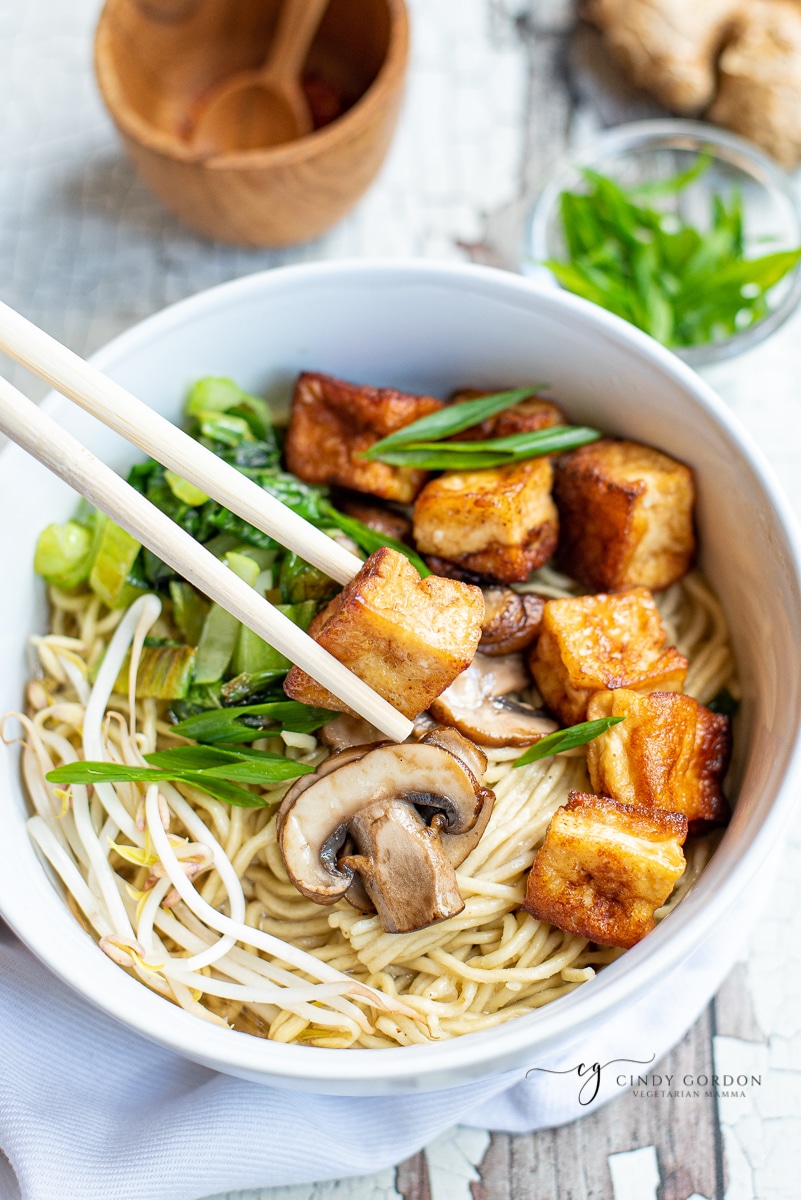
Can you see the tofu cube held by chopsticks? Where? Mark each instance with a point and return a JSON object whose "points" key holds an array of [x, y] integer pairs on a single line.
{"points": [[407, 637]]}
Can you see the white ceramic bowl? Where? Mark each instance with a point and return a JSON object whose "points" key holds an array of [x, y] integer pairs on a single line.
{"points": [[430, 328]]}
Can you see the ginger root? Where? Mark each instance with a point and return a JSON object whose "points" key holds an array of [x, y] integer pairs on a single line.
{"points": [[742, 57], [668, 47], [759, 94]]}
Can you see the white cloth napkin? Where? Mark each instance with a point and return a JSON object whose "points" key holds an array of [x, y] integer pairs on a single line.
{"points": [[92, 1111]]}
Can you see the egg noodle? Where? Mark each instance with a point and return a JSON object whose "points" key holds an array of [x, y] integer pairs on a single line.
{"points": [[191, 895]]}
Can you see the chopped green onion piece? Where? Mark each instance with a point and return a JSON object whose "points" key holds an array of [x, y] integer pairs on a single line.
{"points": [[683, 286], [219, 781], [454, 418], [498, 452], [566, 739]]}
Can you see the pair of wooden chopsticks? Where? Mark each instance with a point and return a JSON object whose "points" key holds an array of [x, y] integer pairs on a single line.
{"points": [[45, 440]]}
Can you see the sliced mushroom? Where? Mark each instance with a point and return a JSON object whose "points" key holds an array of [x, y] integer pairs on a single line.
{"points": [[403, 866], [457, 845], [378, 800], [477, 704], [345, 731], [511, 622]]}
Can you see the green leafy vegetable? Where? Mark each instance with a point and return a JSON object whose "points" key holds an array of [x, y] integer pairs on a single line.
{"points": [[566, 739], [724, 703], [115, 554], [450, 420], [497, 452], [684, 286], [64, 555], [165, 673], [246, 723]]}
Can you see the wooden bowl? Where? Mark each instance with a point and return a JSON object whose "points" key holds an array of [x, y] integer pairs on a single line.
{"points": [[157, 59]]}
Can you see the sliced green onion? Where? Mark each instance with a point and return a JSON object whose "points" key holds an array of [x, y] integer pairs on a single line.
{"points": [[454, 418], [497, 452], [566, 739]]}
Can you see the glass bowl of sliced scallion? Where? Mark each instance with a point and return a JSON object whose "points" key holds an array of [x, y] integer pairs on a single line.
{"points": [[683, 229]]}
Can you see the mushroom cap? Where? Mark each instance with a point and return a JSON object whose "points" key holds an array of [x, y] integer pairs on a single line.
{"points": [[318, 810], [511, 621], [476, 704]]}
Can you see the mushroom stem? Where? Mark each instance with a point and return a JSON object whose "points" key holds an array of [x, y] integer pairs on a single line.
{"points": [[403, 866]]}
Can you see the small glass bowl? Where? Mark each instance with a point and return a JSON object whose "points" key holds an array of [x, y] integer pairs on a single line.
{"points": [[646, 151]]}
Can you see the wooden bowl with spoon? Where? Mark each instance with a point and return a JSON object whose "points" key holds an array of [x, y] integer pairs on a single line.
{"points": [[258, 122]]}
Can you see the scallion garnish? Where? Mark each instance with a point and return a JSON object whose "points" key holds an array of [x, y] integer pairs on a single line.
{"points": [[566, 739], [214, 770], [455, 418], [496, 452], [685, 286]]}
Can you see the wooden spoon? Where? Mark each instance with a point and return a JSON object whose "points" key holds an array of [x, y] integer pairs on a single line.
{"points": [[265, 106]]}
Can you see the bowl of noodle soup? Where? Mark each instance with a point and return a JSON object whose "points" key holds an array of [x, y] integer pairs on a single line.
{"points": [[492, 988]]}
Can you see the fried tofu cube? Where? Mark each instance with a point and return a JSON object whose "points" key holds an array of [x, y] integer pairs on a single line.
{"points": [[626, 515], [597, 643], [407, 637], [605, 868], [333, 422], [525, 417], [670, 753], [499, 522]]}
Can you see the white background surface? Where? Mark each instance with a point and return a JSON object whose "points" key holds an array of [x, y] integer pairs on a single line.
{"points": [[85, 251]]}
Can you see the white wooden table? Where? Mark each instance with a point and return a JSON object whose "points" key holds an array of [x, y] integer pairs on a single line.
{"points": [[497, 89]]}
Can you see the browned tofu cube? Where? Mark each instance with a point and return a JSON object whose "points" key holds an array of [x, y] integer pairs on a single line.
{"points": [[605, 868], [626, 515], [500, 522], [407, 637], [526, 417], [670, 752], [333, 422], [597, 643]]}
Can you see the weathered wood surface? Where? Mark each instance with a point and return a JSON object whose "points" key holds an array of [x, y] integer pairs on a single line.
{"points": [[498, 89]]}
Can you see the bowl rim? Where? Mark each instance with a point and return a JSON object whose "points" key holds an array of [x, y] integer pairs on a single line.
{"points": [[643, 966], [671, 132], [320, 141]]}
